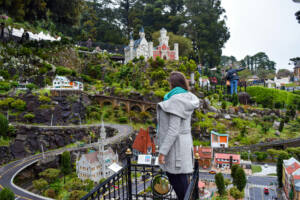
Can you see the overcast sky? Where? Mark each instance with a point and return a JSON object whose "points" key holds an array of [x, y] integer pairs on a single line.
{"points": [[269, 26]]}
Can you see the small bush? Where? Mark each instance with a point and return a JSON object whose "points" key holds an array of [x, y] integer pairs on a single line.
{"points": [[123, 120], [5, 86], [19, 105], [29, 116], [235, 99], [7, 194], [31, 86], [95, 115], [235, 193], [63, 71], [44, 99], [224, 105], [40, 184], [50, 193]]}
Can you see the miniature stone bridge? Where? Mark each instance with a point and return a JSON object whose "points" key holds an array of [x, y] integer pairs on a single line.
{"points": [[126, 104]]}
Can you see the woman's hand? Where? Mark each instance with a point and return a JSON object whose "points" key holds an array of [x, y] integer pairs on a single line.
{"points": [[161, 159]]}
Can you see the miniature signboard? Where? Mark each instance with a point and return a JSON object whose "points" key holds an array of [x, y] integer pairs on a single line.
{"points": [[144, 159], [115, 167]]}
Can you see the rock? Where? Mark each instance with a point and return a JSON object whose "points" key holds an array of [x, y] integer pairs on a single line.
{"points": [[276, 124], [244, 98], [253, 115], [236, 143], [21, 137], [226, 116], [18, 149], [241, 109], [231, 111], [277, 133], [206, 103], [213, 109]]}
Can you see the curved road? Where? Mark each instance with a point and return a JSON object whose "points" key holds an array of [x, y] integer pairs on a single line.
{"points": [[8, 171]]}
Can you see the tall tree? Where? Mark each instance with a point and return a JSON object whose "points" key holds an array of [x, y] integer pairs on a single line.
{"points": [[279, 168], [66, 167], [219, 179], [207, 30], [241, 179]]}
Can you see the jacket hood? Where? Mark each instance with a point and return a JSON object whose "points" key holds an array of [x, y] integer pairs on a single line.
{"points": [[182, 105]]}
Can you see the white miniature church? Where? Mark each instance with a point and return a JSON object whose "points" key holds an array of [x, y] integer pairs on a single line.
{"points": [[141, 47], [96, 165]]}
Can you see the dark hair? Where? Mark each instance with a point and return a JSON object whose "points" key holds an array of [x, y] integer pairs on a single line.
{"points": [[177, 79]]}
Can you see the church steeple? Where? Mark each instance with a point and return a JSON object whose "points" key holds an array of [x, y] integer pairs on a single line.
{"points": [[142, 32]]}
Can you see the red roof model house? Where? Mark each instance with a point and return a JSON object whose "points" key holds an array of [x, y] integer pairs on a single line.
{"points": [[291, 177], [205, 154], [143, 144], [226, 159]]}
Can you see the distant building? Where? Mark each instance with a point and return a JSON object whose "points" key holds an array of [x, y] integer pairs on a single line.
{"points": [[223, 160], [291, 178], [219, 139], [143, 143], [297, 71], [97, 165], [22, 85], [205, 154], [141, 47], [282, 81], [63, 83]]}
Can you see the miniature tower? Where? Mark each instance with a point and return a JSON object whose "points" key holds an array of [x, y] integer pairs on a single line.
{"points": [[142, 33], [164, 39], [150, 46], [131, 45], [101, 149], [176, 49]]}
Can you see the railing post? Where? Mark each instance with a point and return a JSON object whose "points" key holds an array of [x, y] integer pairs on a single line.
{"points": [[196, 191], [129, 183]]}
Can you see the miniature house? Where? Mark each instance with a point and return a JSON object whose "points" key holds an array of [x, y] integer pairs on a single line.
{"points": [[97, 164], [63, 83], [219, 139], [205, 154], [142, 47], [226, 160], [143, 144]]}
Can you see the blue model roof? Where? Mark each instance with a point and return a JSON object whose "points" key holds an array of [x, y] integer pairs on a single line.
{"points": [[219, 134], [142, 30], [137, 43]]}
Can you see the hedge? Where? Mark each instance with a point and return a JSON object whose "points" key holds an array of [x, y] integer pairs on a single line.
{"points": [[268, 96]]}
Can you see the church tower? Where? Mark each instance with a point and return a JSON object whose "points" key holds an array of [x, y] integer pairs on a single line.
{"points": [[101, 150], [164, 39], [142, 33]]}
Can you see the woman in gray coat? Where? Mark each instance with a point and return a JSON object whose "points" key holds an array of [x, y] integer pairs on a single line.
{"points": [[174, 133]]}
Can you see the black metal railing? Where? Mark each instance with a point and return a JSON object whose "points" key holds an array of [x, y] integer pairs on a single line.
{"points": [[135, 181]]}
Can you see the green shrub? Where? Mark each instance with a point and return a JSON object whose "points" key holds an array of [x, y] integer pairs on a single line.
{"points": [[77, 194], [6, 103], [50, 193], [268, 96], [7, 194], [5, 86], [224, 105], [50, 174], [29, 116], [281, 125], [31, 86], [44, 99], [261, 156], [95, 115], [40, 184], [19, 104], [63, 71], [3, 125], [235, 193], [123, 120], [235, 99]]}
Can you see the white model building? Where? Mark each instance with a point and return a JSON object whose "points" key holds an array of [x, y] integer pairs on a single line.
{"points": [[141, 47], [63, 83], [96, 165]]}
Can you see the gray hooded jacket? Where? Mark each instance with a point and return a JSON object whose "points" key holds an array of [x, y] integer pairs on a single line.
{"points": [[174, 132]]}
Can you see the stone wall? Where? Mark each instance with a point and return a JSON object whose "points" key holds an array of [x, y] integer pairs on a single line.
{"points": [[28, 139]]}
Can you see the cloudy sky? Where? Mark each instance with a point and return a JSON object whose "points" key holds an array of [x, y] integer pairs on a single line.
{"points": [[263, 25]]}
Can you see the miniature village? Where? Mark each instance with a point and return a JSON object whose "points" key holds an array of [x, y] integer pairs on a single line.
{"points": [[78, 106]]}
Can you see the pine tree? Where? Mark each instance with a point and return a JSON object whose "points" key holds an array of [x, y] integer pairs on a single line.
{"points": [[219, 179], [66, 167], [241, 179], [280, 159], [3, 125], [233, 172]]}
